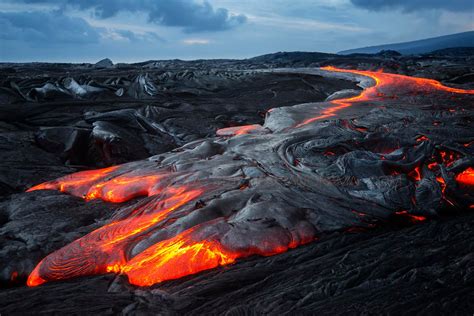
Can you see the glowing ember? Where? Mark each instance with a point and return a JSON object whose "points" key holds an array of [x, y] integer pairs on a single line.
{"points": [[442, 184], [466, 177], [13, 276], [413, 218], [422, 138], [449, 157], [415, 174]]}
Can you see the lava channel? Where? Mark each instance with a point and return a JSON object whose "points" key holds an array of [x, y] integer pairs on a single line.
{"points": [[393, 82]]}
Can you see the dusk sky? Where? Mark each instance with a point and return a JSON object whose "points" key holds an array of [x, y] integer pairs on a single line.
{"points": [[138, 30]]}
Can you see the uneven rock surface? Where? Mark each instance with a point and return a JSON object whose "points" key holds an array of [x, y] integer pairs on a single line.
{"points": [[373, 188]]}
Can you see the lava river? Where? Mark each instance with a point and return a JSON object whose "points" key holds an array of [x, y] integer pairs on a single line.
{"points": [[405, 151]]}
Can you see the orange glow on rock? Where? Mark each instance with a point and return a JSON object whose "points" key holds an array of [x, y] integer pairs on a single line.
{"points": [[466, 177], [13, 276], [175, 258], [415, 174], [104, 250], [422, 138], [449, 157], [76, 182], [95, 184], [442, 184], [238, 130], [123, 188], [413, 218]]}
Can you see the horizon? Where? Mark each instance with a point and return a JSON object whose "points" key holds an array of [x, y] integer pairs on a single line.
{"points": [[217, 58], [134, 31]]}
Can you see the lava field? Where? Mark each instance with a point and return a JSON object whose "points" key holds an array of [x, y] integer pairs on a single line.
{"points": [[282, 184]]}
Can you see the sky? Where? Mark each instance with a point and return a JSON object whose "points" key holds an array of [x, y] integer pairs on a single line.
{"points": [[139, 30]]}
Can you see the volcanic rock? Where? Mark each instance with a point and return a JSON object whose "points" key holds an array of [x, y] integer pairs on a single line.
{"points": [[104, 63]]}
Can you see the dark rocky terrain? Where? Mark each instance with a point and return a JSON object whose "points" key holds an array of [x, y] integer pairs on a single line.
{"points": [[372, 186]]}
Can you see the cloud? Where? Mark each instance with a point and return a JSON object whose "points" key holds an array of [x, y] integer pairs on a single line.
{"points": [[415, 5], [304, 24], [129, 36], [46, 27], [192, 16], [196, 41]]}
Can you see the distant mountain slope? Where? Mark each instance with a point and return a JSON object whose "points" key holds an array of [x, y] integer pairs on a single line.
{"points": [[292, 56], [465, 39]]}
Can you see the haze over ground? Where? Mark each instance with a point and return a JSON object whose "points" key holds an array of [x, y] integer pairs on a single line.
{"points": [[127, 31]]}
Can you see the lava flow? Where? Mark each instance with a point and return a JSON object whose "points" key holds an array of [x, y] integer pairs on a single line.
{"points": [[104, 250], [75, 183], [238, 130], [382, 81], [171, 235], [175, 258]]}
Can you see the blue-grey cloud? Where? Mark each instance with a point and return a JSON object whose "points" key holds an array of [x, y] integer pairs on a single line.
{"points": [[192, 16], [46, 28], [135, 37], [414, 5]]}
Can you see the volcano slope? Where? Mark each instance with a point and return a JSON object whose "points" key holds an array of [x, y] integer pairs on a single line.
{"points": [[377, 185]]}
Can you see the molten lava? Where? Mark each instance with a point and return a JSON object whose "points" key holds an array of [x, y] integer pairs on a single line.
{"points": [[75, 182], [106, 247], [115, 247], [175, 258], [382, 81], [238, 130], [466, 177]]}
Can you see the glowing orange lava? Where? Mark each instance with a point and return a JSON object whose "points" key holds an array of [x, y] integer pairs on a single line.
{"points": [[175, 258], [106, 247], [94, 184], [73, 183], [413, 218], [238, 130], [466, 177], [123, 188], [382, 80], [105, 250]]}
